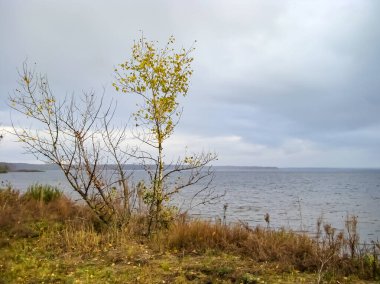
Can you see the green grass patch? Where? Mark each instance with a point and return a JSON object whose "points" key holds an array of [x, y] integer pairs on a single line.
{"points": [[45, 193]]}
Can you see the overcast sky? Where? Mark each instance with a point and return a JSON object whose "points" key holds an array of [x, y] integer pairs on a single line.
{"points": [[276, 83]]}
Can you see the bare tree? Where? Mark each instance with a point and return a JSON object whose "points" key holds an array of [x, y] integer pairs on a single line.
{"points": [[76, 134]]}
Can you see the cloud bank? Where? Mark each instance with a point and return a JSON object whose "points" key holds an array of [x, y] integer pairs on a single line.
{"points": [[289, 83]]}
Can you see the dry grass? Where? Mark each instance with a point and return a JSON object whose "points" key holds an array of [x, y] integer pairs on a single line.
{"points": [[330, 256], [289, 249], [34, 231], [20, 215]]}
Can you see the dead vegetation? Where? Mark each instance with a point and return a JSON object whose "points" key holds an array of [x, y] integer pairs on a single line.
{"points": [[197, 251]]}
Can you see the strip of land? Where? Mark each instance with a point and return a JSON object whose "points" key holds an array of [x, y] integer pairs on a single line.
{"points": [[48, 238]]}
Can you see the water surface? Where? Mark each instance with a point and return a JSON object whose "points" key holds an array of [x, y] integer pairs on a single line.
{"points": [[294, 198]]}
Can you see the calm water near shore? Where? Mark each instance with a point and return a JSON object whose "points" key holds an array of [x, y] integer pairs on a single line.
{"points": [[294, 198]]}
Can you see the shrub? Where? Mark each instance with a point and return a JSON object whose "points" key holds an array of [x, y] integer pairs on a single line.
{"points": [[3, 169], [45, 193], [24, 214]]}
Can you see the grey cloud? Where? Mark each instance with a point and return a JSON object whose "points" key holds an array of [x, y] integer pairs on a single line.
{"points": [[325, 80], [265, 71]]}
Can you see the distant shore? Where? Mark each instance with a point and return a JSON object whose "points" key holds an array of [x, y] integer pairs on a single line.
{"points": [[26, 167]]}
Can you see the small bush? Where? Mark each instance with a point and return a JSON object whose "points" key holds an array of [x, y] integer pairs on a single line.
{"points": [[3, 169], [45, 193], [20, 212]]}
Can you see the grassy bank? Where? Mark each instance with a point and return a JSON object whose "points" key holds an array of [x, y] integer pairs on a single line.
{"points": [[47, 238]]}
